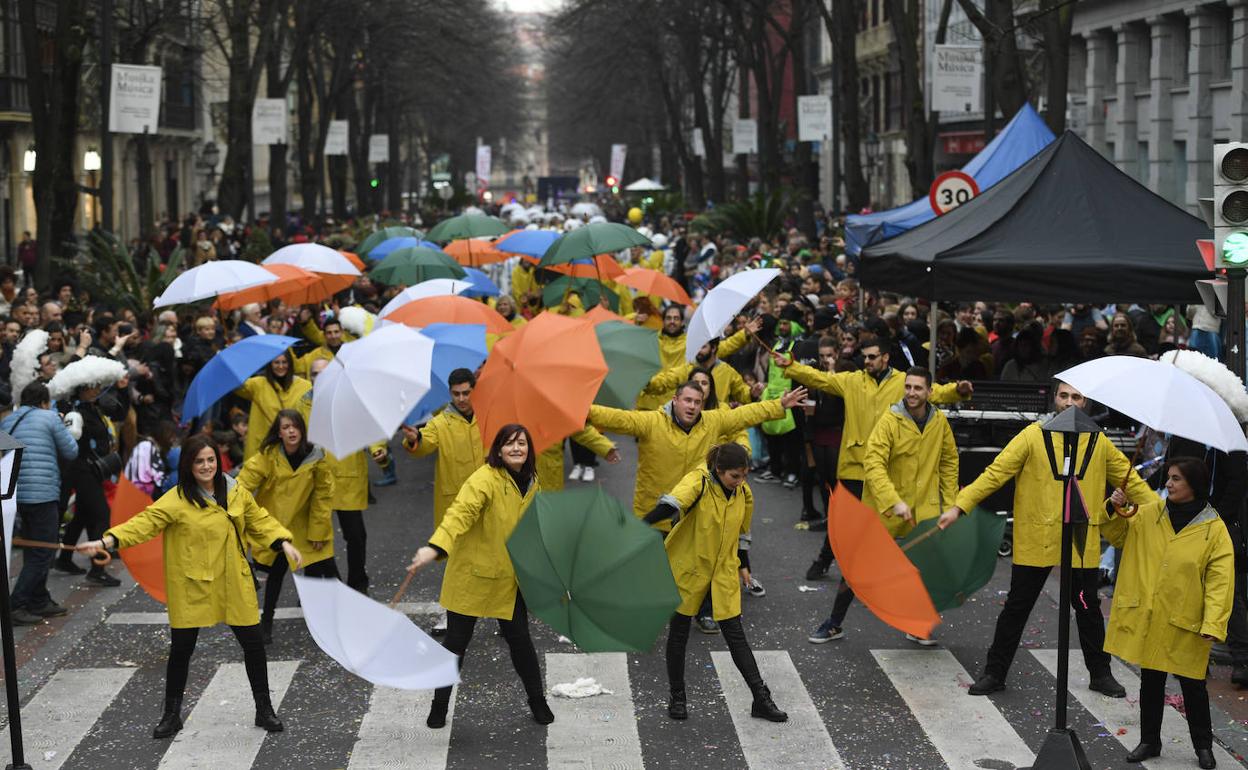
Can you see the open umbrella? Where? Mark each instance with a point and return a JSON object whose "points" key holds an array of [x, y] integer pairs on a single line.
{"points": [[721, 305], [599, 314], [584, 209], [384, 234], [632, 356], [878, 572], [656, 283], [455, 346], [452, 310], [532, 243], [468, 226], [230, 368], [590, 240], [1173, 401], [314, 257], [212, 279], [544, 376], [354, 259], [413, 264], [435, 287], [294, 285], [592, 571], [957, 561], [475, 252], [602, 267], [391, 245], [369, 387], [371, 640], [145, 561], [482, 286], [591, 292]]}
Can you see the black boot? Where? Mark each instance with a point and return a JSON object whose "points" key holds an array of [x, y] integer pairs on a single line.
{"points": [[541, 710], [1144, 751], [677, 640], [437, 712], [1204, 758], [266, 629], [171, 721], [266, 717], [678, 707], [764, 707]]}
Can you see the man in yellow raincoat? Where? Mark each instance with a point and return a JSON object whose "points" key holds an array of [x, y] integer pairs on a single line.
{"points": [[331, 331], [1033, 459], [671, 353], [729, 385]]}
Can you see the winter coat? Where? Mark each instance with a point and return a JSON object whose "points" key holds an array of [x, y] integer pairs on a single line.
{"points": [[47, 442], [479, 579], [671, 355], [458, 444], [905, 464], [267, 399], [550, 462], [301, 499], [1171, 588], [207, 578], [702, 547], [729, 386]]}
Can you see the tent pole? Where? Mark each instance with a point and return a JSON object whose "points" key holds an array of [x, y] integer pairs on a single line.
{"points": [[931, 338]]}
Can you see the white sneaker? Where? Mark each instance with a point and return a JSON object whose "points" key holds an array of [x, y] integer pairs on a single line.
{"points": [[588, 475], [564, 640], [928, 642], [575, 475]]}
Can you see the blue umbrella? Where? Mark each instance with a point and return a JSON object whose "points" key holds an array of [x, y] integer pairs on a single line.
{"points": [[482, 286], [383, 249], [230, 368], [533, 243], [455, 346]]}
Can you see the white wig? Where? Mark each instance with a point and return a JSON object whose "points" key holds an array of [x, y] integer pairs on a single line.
{"points": [[25, 365], [356, 320], [92, 371], [1216, 375]]}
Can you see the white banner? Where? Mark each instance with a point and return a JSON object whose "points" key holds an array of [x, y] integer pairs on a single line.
{"points": [[956, 76], [268, 121], [814, 118], [134, 99], [745, 136], [699, 147], [336, 138], [379, 148], [619, 153], [483, 164]]}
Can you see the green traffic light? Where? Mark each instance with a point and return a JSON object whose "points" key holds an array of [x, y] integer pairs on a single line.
{"points": [[1235, 248], [374, 183], [615, 189]]}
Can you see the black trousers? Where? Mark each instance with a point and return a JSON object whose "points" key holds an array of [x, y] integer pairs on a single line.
{"points": [[356, 537], [1026, 583], [787, 453], [583, 456], [1153, 704], [1237, 627], [825, 556], [90, 510], [821, 477], [182, 646], [277, 575], [738, 647], [515, 632]]}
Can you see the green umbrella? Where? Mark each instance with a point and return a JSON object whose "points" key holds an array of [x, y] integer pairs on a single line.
{"points": [[593, 571], [958, 561], [414, 264], [467, 226], [590, 289], [632, 355], [592, 240], [385, 234]]}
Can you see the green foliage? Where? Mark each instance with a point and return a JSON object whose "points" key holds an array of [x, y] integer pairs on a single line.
{"points": [[109, 272], [259, 245], [664, 204], [758, 216]]}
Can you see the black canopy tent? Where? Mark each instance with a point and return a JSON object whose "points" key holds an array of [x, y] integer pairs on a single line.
{"points": [[1067, 226]]}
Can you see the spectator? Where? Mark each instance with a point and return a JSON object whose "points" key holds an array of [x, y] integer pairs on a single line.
{"points": [[1028, 364], [1122, 340], [27, 256]]}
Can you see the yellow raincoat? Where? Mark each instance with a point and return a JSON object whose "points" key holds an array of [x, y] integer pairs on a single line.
{"points": [[866, 399], [301, 499], [207, 578], [479, 579], [523, 281], [303, 363], [666, 452], [671, 355], [550, 461], [351, 478], [904, 464], [1038, 497], [729, 386], [267, 399], [458, 444], [1171, 589], [703, 545]]}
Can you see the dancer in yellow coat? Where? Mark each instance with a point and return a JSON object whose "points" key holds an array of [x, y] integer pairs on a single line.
{"points": [[455, 436], [550, 461], [331, 332], [711, 514], [275, 389], [292, 480], [671, 353], [207, 521], [480, 581], [1172, 599]]}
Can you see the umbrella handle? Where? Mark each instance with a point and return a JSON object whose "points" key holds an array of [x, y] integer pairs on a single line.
{"points": [[920, 538], [100, 558], [402, 588]]}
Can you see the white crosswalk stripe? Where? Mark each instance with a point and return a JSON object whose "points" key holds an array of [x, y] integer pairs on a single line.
{"points": [[393, 733], [282, 613], [62, 713], [598, 731]]}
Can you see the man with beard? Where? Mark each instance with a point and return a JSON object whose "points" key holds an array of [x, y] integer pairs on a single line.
{"points": [[332, 331], [729, 385], [1122, 338]]}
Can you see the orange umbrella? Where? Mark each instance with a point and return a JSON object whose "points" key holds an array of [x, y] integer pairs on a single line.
{"points": [[290, 279], [474, 252], [876, 569], [146, 561], [353, 259], [653, 282], [604, 268], [450, 310], [600, 314], [544, 376]]}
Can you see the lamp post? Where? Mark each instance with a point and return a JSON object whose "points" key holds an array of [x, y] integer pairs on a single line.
{"points": [[91, 164], [207, 166], [8, 486]]}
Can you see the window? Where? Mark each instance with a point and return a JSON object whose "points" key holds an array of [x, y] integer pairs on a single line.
{"points": [[1179, 194], [876, 105], [875, 13], [1221, 29], [896, 115], [1141, 159]]}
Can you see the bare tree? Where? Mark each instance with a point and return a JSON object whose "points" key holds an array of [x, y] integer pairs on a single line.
{"points": [[1006, 78]]}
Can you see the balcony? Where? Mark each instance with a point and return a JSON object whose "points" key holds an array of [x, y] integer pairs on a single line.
{"points": [[177, 115], [13, 96]]}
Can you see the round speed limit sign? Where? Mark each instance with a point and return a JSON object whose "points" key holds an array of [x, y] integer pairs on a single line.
{"points": [[950, 190]]}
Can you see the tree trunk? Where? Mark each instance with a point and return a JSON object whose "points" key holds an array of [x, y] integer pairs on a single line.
{"points": [[146, 194], [277, 86], [305, 142], [905, 20], [805, 171], [233, 190], [842, 26], [1055, 26], [996, 24], [393, 179]]}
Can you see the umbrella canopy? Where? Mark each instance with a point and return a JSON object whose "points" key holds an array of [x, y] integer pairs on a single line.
{"points": [[391, 245], [957, 561], [212, 279], [591, 292], [602, 267], [468, 226], [436, 287], [146, 561], [632, 356], [1173, 401], [372, 641], [591, 240], [656, 283], [592, 571], [455, 346], [482, 286], [413, 264], [721, 305], [645, 184], [453, 310], [314, 257], [385, 234], [599, 314], [532, 243], [294, 285], [230, 368], [544, 376], [584, 209], [878, 572], [475, 252], [369, 388], [354, 259]]}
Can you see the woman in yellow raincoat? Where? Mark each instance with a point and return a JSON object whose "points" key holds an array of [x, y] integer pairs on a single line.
{"points": [[702, 549], [294, 482], [275, 389], [207, 521], [479, 581], [1172, 599]]}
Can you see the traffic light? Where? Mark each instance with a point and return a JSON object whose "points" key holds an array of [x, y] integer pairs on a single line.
{"points": [[374, 183], [613, 183], [1230, 205]]}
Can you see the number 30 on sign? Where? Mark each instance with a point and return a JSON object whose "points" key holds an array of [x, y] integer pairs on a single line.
{"points": [[950, 190]]}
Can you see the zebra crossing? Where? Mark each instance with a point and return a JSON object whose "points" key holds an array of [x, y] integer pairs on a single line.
{"points": [[605, 731]]}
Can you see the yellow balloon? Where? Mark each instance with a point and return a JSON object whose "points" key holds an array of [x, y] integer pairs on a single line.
{"points": [[634, 215]]}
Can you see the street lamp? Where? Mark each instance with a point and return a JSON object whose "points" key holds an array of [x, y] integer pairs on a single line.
{"points": [[91, 164], [208, 158], [10, 447], [28, 160]]}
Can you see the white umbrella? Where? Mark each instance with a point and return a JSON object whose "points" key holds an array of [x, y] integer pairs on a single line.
{"points": [[585, 209], [721, 305], [314, 257], [213, 278], [1160, 395], [369, 387], [371, 640], [434, 287], [645, 184]]}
